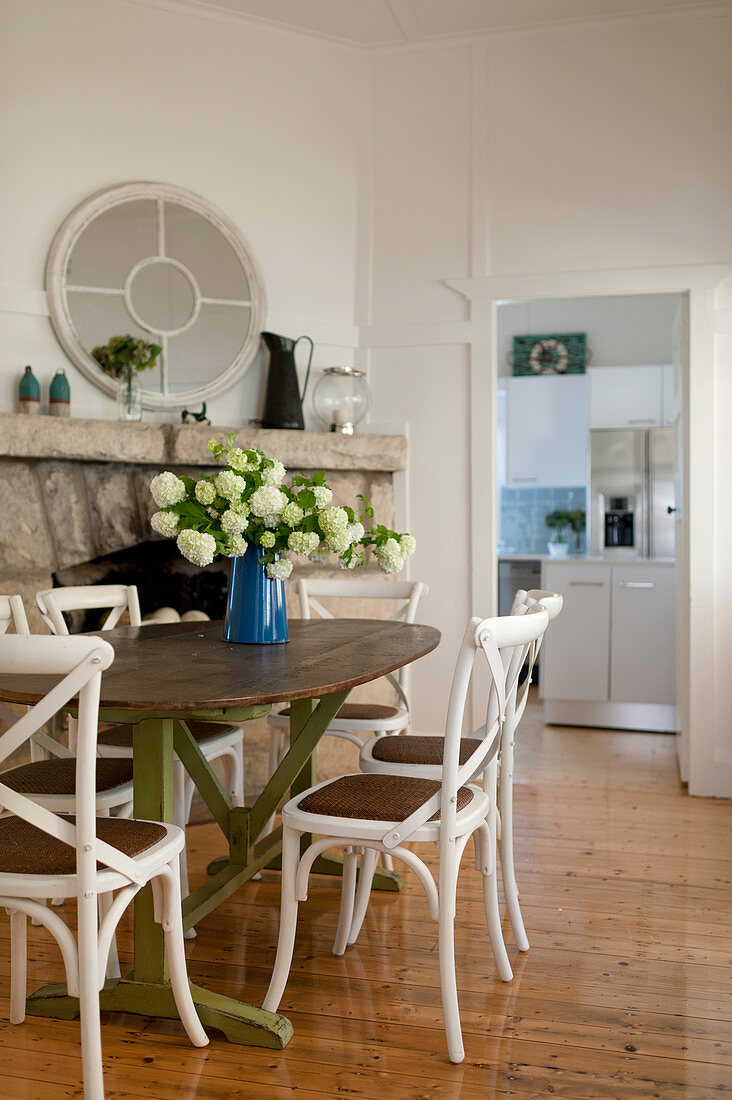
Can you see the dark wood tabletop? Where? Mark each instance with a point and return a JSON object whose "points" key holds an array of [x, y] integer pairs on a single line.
{"points": [[188, 666]]}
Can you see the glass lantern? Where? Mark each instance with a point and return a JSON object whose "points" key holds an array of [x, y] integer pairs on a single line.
{"points": [[341, 398]]}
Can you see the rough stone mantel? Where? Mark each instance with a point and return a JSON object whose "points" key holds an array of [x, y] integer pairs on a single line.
{"points": [[51, 437], [73, 490]]}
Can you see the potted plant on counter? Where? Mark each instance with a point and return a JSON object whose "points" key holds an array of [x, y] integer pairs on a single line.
{"points": [[561, 522]]}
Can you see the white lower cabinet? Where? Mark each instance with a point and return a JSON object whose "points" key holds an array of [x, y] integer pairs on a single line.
{"points": [[608, 660], [643, 653]]}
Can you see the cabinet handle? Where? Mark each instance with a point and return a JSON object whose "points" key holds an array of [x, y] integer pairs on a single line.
{"points": [[642, 420], [524, 479], [586, 584], [637, 584]]}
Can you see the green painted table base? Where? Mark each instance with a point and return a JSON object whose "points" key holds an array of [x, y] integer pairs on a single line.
{"points": [[157, 737], [240, 1023]]}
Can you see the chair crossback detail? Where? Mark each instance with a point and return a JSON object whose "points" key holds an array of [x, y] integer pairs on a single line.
{"points": [[491, 636], [409, 593], [81, 662]]}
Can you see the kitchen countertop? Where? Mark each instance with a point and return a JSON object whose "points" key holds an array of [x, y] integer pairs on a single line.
{"points": [[609, 559]]}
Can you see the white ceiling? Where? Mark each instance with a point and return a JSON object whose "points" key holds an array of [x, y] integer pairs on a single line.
{"points": [[373, 23]]}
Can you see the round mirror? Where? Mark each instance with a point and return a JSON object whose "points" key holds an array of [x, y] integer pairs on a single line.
{"points": [[158, 262]]}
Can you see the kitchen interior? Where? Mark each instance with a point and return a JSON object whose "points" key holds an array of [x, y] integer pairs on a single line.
{"points": [[588, 472]]}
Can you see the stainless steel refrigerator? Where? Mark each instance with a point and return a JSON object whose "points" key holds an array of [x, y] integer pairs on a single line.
{"points": [[632, 493]]}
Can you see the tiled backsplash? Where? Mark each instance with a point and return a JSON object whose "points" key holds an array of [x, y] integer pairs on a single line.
{"points": [[522, 514]]}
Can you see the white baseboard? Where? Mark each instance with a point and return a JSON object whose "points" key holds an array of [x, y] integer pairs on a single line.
{"points": [[651, 717]]}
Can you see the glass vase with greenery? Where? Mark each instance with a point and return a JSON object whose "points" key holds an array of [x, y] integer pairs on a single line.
{"points": [[122, 357]]}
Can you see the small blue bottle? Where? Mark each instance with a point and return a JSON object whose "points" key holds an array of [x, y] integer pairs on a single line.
{"points": [[29, 393], [60, 395]]}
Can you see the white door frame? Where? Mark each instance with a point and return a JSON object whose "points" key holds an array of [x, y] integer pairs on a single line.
{"points": [[704, 757]]}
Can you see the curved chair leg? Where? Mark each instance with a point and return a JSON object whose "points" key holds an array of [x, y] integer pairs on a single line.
{"points": [[446, 937], [288, 919], [235, 756], [103, 903], [363, 891], [484, 838], [510, 887], [348, 890], [18, 965], [172, 923], [180, 817], [91, 1034]]}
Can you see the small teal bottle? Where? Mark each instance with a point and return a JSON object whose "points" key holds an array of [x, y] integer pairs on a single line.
{"points": [[29, 393], [60, 395]]}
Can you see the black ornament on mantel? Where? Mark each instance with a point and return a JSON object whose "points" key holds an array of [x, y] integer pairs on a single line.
{"points": [[283, 403]]}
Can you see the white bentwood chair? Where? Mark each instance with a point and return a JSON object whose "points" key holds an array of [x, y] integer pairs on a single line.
{"points": [[378, 813], [83, 857], [52, 782], [421, 756], [356, 719], [217, 741]]}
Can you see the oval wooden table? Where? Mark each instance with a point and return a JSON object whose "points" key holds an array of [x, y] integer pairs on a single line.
{"points": [[163, 675]]}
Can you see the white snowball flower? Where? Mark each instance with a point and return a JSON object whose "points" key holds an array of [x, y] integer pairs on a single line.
{"points": [[165, 523], [408, 545], [303, 542], [230, 485], [272, 520], [334, 525], [267, 540], [323, 496], [167, 489], [356, 531], [236, 546], [232, 522], [197, 547], [274, 474], [292, 514], [267, 500], [279, 570], [237, 459], [205, 492], [321, 555], [389, 556]]}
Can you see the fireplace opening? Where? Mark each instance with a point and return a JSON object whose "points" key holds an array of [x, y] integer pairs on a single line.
{"points": [[163, 579]]}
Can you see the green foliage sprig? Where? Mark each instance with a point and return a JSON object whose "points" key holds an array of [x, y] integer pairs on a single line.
{"points": [[123, 355]]}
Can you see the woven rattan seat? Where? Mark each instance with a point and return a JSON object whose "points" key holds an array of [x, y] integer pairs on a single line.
{"points": [[58, 776], [412, 749], [26, 850], [120, 737], [376, 797], [361, 711]]}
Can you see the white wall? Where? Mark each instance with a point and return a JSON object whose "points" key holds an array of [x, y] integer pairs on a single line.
{"points": [[262, 123], [582, 149]]}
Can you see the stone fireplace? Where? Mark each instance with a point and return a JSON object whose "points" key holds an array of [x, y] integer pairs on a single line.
{"points": [[73, 492]]}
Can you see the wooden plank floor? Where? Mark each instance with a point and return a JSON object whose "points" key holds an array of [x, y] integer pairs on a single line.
{"points": [[626, 891]]}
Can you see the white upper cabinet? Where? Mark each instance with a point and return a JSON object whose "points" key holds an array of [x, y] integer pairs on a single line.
{"points": [[626, 397], [547, 431]]}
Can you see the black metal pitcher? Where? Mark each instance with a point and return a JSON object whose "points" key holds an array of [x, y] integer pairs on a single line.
{"points": [[283, 402]]}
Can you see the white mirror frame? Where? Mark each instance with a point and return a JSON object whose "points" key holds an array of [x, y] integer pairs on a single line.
{"points": [[58, 305]]}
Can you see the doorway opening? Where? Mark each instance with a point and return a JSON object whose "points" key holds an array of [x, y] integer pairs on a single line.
{"points": [[588, 453]]}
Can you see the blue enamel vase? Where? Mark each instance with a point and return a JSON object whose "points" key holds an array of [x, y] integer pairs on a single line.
{"points": [[255, 605]]}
